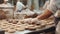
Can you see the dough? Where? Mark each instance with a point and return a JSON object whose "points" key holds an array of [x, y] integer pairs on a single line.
{"points": [[19, 23], [11, 30], [18, 26], [27, 27], [6, 30], [9, 23], [15, 22], [20, 29], [3, 26], [31, 28], [22, 21], [6, 23], [50, 23], [12, 27], [10, 20], [37, 27]]}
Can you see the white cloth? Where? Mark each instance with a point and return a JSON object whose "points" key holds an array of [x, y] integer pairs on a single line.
{"points": [[54, 6], [38, 12], [58, 28], [57, 14], [19, 6]]}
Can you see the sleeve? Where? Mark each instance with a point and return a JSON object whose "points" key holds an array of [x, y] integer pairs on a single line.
{"points": [[46, 4], [52, 6], [22, 4]]}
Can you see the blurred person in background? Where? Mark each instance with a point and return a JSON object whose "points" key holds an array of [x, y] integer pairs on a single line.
{"points": [[19, 6]]}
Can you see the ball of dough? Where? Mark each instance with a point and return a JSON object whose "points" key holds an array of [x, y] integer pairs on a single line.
{"points": [[10, 21], [6, 30], [20, 29], [11, 30], [15, 22], [3, 26], [27, 27], [50, 23]]}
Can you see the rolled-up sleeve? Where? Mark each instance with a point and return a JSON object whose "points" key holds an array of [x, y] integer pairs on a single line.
{"points": [[52, 6]]}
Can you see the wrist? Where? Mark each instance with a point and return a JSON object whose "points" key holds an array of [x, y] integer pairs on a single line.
{"points": [[38, 19]]}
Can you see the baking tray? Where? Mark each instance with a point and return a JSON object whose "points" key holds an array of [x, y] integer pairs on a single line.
{"points": [[48, 28], [19, 32], [45, 29]]}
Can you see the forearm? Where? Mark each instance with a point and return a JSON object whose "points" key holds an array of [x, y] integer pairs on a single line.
{"points": [[45, 15], [24, 8]]}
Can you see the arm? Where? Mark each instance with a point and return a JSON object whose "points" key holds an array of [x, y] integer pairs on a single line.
{"points": [[23, 6], [51, 9], [45, 15]]}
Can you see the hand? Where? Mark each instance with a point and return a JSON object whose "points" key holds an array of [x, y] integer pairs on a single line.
{"points": [[35, 21], [27, 20]]}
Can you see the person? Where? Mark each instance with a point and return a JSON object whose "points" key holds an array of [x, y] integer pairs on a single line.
{"points": [[19, 6], [51, 10]]}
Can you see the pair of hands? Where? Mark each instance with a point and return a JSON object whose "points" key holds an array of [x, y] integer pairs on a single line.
{"points": [[31, 20]]}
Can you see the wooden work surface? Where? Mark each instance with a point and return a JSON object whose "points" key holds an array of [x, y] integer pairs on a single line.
{"points": [[27, 31]]}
